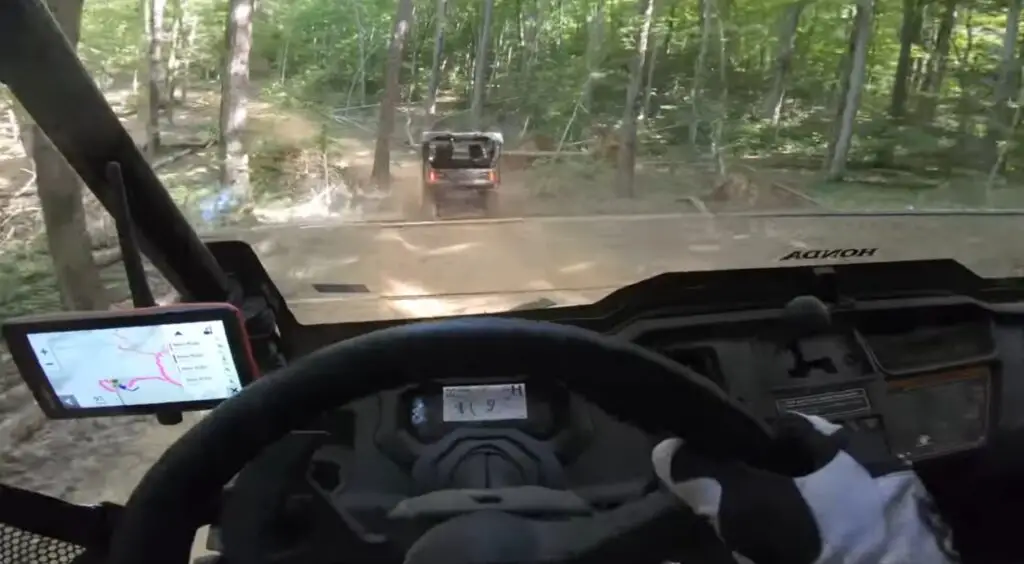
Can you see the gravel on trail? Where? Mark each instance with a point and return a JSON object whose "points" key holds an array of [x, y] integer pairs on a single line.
{"points": [[83, 461]]}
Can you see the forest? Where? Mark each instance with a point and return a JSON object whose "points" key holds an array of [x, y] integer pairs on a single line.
{"points": [[256, 111]]}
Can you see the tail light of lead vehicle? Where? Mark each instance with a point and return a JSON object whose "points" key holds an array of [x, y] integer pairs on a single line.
{"points": [[432, 176]]}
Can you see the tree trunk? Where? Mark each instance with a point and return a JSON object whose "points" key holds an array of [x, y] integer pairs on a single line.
{"points": [[140, 82], [936, 74], [182, 38], [1001, 116], [651, 63], [627, 149], [480, 67], [157, 74], [533, 34], [706, 8], [360, 78], [392, 91], [435, 65], [858, 72], [60, 196], [595, 47], [186, 70], [965, 116], [718, 128], [771, 107], [174, 40], [414, 66], [839, 91], [909, 31], [234, 94]]}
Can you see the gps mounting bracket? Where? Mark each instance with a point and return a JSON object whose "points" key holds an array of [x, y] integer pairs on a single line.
{"points": [[135, 272]]}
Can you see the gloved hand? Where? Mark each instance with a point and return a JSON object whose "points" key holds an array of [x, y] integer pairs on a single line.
{"points": [[849, 507]]}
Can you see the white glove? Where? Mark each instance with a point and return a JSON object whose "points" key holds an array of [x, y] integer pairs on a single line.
{"points": [[852, 508]]}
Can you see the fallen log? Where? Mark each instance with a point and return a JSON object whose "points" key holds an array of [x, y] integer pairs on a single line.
{"points": [[799, 195], [524, 159], [545, 154], [188, 149]]}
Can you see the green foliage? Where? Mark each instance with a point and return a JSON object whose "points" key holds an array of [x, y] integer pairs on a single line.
{"points": [[111, 34], [27, 281], [331, 53]]}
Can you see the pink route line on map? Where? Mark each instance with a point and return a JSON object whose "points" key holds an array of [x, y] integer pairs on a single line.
{"points": [[109, 386]]}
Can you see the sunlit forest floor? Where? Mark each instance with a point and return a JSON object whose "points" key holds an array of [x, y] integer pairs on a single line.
{"points": [[310, 163], [300, 155], [314, 163]]}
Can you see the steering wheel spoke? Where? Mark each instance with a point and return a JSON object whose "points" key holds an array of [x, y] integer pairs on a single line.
{"points": [[652, 526]]}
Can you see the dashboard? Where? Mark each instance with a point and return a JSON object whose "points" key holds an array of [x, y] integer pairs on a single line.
{"points": [[919, 375]]}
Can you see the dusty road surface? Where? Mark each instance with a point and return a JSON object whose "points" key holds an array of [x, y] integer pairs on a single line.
{"points": [[475, 266]]}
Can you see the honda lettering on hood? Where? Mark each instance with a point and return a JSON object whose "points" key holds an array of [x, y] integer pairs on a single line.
{"points": [[490, 266], [826, 254]]}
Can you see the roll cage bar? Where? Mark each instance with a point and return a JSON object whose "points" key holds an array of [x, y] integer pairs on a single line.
{"points": [[45, 75], [436, 147]]}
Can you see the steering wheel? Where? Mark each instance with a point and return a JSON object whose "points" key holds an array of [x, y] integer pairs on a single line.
{"points": [[159, 522]]}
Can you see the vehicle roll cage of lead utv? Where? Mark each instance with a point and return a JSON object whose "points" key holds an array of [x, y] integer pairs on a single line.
{"points": [[429, 138]]}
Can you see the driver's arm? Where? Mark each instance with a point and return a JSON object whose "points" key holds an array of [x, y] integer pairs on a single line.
{"points": [[842, 504]]}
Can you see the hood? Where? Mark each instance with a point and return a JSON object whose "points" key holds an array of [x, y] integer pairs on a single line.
{"points": [[356, 272]]}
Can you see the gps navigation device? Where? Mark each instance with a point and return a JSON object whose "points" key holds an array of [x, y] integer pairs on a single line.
{"points": [[185, 357]]}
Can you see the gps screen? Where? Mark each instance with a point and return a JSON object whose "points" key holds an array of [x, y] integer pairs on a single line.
{"points": [[140, 365]]}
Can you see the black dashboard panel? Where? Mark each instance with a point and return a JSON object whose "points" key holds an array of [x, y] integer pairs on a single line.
{"points": [[924, 370], [949, 411], [888, 321], [921, 337], [903, 396], [880, 364], [925, 376]]}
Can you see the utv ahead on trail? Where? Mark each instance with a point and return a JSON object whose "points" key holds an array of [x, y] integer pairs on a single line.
{"points": [[458, 166]]}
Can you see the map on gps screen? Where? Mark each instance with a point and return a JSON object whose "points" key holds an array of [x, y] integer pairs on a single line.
{"points": [[144, 365]]}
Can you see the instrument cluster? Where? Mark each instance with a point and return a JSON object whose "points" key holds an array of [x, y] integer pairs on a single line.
{"points": [[433, 410]]}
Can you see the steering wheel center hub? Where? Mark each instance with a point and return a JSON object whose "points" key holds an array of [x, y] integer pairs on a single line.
{"points": [[483, 458]]}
